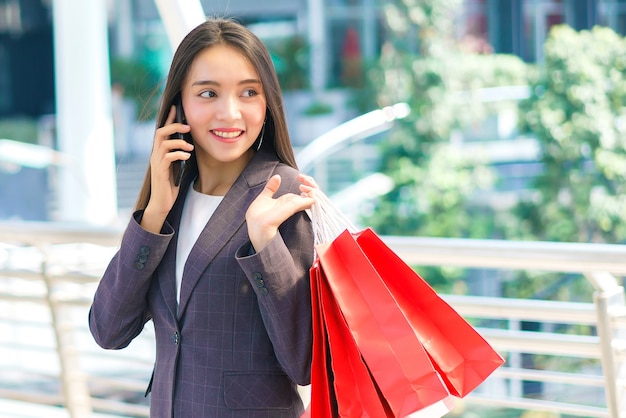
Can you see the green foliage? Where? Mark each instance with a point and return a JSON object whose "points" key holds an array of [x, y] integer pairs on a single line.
{"points": [[576, 111], [577, 114], [19, 129], [486, 411], [548, 286], [448, 280], [431, 198], [364, 98], [435, 179], [290, 57], [427, 24], [139, 82], [318, 108]]}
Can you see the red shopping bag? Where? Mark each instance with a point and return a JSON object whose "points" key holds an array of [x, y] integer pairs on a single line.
{"points": [[323, 399], [348, 389], [357, 394], [395, 358], [337, 363], [463, 358]]}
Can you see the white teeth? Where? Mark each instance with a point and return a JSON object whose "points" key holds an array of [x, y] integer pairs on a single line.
{"points": [[228, 135]]}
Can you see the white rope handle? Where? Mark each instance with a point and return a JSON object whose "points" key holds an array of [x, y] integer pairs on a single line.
{"points": [[328, 221]]}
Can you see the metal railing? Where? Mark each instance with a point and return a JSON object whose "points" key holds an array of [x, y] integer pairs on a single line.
{"points": [[48, 273]]}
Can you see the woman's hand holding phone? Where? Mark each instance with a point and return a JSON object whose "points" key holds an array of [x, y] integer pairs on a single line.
{"points": [[165, 152]]}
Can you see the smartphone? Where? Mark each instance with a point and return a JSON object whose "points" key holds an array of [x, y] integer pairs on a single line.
{"points": [[178, 167]]}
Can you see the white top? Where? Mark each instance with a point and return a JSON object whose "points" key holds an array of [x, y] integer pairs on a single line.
{"points": [[198, 208]]}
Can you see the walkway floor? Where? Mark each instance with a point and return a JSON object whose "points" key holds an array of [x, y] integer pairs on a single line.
{"points": [[17, 409]]}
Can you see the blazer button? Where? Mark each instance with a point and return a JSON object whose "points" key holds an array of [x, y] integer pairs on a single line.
{"points": [[176, 338], [144, 250], [139, 265], [258, 278]]}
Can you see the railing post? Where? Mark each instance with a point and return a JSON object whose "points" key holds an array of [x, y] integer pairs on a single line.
{"points": [[73, 380], [515, 360], [609, 301]]}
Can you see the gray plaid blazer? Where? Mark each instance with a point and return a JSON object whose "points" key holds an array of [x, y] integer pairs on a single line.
{"points": [[241, 339]]}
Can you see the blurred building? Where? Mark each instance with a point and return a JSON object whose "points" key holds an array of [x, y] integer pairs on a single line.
{"points": [[349, 26], [318, 46], [520, 27], [26, 58]]}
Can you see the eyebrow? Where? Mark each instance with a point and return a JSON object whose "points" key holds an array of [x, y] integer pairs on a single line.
{"points": [[215, 83]]}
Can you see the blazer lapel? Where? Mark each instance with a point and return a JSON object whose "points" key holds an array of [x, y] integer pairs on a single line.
{"points": [[167, 275], [228, 218]]}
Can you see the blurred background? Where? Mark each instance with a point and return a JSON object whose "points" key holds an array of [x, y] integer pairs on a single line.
{"points": [[515, 107], [511, 126], [469, 119]]}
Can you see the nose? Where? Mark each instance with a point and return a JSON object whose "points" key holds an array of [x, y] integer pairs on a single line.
{"points": [[229, 109]]}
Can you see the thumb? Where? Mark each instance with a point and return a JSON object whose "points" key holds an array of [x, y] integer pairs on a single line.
{"points": [[272, 186]]}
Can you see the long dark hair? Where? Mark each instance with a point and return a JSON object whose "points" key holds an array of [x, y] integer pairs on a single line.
{"points": [[228, 32]]}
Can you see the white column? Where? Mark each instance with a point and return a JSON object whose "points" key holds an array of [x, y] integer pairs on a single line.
{"points": [[87, 184], [180, 17], [370, 29], [317, 56], [124, 27]]}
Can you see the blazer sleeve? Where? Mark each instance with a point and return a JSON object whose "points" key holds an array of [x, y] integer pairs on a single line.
{"points": [[120, 308], [279, 274]]}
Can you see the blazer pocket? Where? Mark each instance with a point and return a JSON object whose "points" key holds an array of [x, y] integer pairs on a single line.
{"points": [[245, 390]]}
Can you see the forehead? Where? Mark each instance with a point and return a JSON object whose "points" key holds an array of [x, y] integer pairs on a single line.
{"points": [[221, 63]]}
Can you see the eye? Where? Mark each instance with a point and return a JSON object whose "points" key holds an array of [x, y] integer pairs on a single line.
{"points": [[249, 93], [208, 93]]}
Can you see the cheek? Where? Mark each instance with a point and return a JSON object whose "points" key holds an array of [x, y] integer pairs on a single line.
{"points": [[259, 119], [256, 116], [196, 115]]}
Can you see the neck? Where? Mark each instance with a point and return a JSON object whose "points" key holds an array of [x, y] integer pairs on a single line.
{"points": [[217, 178]]}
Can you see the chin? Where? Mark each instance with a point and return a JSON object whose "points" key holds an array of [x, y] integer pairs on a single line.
{"points": [[229, 157]]}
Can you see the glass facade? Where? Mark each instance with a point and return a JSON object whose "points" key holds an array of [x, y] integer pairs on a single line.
{"points": [[26, 58], [612, 13], [521, 27], [354, 32], [473, 26], [5, 80]]}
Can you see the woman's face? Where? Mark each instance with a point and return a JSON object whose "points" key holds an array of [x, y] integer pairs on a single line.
{"points": [[224, 104]]}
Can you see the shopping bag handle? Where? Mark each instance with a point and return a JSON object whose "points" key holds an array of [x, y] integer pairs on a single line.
{"points": [[327, 219]]}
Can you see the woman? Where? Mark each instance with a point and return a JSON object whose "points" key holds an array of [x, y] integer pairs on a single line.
{"points": [[220, 263]]}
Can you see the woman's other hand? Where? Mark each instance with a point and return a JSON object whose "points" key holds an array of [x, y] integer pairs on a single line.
{"points": [[266, 213]]}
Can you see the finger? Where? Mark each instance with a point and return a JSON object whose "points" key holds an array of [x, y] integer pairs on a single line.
{"points": [[308, 180], [285, 206], [295, 203], [172, 127], [177, 155], [171, 116], [272, 186], [178, 144], [308, 191]]}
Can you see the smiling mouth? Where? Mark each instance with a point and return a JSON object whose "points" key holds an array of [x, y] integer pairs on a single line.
{"points": [[228, 134]]}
